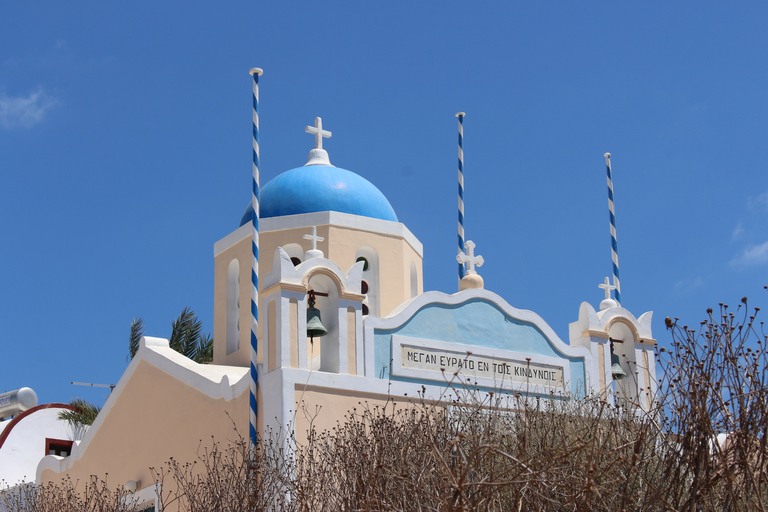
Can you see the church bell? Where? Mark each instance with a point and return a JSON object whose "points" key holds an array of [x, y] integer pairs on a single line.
{"points": [[617, 372], [315, 325]]}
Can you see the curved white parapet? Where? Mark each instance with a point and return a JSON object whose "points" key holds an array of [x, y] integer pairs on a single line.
{"points": [[24, 441]]}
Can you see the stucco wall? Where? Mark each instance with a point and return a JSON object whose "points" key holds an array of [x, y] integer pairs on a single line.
{"points": [[155, 417]]}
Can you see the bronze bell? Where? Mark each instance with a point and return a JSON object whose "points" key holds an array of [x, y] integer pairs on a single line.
{"points": [[617, 372], [315, 326]]}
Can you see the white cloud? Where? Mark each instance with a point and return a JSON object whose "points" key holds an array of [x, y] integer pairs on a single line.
{"points": [[686, 286], [25, 111], [752, 255], [760, 202], [738, 231]]}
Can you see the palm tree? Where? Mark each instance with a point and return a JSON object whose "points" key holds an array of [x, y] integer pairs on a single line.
{"points": [[186, 337]]}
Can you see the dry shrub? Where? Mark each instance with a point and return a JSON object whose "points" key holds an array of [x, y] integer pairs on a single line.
{"points": [[716, 385], [228, 478], [502, 453], [96, 495]]}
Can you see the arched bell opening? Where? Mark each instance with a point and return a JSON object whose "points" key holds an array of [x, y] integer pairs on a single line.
{"points": [[323, 351], [622, 339], [370, 282], [295, 252]]}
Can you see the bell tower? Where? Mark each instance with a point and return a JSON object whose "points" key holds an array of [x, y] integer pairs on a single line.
{"points": [[622, 349], [315, 212], [287, 291]]}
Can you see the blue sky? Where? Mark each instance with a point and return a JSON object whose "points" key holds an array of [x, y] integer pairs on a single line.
{"points": [[125, 153]]}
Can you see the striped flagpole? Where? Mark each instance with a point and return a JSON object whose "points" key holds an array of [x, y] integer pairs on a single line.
{"points": [[255, 73], [614, 244], [461, 115]]}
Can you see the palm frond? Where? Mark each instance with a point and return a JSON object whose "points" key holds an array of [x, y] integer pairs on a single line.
{"points": [[137, 331], [84, 415], [187, 337], [180, 329], [204, 349]]}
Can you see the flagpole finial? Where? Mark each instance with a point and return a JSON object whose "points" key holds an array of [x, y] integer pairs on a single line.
{"points": [[256, 71], [460, 114], [607, 155]]}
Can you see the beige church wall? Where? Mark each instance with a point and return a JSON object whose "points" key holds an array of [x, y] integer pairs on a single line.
{"points": [[155, 417], [240, 251], [325, 407]]}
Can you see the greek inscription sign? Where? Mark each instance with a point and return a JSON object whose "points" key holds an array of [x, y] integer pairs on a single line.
{"points": [[480, 366]]}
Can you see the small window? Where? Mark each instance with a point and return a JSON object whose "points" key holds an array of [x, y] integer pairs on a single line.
{"points": [[296, 261], [365, 263], [365, 309], [60, 447], [363, 287]]}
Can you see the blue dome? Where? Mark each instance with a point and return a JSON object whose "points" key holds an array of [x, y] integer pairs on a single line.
{"points": [[321, 188]]}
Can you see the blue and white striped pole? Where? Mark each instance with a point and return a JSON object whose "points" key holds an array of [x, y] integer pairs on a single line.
{"points": [[461, 115], [614, 244], [255, 73]]}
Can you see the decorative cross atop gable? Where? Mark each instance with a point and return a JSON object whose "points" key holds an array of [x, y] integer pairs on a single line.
{"points": [[469, 257], [318, 132], [607, 287], [314, 237]]}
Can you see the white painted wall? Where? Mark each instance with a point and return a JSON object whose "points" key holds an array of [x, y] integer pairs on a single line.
{"points": [[25, 444]]}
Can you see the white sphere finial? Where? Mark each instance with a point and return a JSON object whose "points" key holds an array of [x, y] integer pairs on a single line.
{"points": [[607, 155], [471, 282], [256, 71], [608, 302]]}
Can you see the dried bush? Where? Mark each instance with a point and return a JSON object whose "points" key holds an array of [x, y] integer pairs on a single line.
{"points": [[96, 495], [716, 386]]}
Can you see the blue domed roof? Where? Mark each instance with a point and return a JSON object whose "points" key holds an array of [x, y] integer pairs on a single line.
{"points": [[321, 188]]}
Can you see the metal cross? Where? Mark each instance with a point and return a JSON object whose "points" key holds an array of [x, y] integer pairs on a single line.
{"points": [[607, 287], [318, 132], [474, 261], [314, 236]]}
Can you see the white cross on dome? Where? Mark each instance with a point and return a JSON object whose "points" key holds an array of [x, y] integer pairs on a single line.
{"points": [[318, 132]]}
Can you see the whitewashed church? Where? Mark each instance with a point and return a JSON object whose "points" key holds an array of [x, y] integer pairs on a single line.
{"points": [[330, 241]]}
